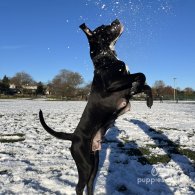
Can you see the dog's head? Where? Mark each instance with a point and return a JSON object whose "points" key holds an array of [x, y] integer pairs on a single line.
{"points": [[103, 38]]}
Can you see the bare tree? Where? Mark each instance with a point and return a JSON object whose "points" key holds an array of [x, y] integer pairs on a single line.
{"points": [[84, 91], [22, 78], [158, 87], [188, 91], [159, 84], [168, 92], [65, 84]]}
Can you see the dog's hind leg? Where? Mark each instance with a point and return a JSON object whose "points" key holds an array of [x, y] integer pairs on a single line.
{"points": [[90, 183], [84, 163]]}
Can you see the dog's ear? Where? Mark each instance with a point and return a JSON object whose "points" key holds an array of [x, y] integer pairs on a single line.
{"points": [[86, 30]]}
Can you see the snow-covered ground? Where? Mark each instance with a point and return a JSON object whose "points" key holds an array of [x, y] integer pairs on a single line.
{"points": [[148, 151]]}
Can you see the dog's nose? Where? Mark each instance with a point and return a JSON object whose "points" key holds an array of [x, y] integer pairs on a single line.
{"points": [[116, 22]]}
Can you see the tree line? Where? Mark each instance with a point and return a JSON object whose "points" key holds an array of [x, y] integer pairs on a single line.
{"points": [[65, 85], [162, 91], [70, 85]]}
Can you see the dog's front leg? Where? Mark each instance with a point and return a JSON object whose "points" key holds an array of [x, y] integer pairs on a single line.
{"points": [[120, 84], [138, 86], [149, 98], [138, 81]]}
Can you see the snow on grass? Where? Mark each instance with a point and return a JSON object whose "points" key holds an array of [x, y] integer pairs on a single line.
{"points": [[148, 151]]}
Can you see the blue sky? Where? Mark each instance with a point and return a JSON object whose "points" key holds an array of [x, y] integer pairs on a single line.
{"points": [[41, 37]]}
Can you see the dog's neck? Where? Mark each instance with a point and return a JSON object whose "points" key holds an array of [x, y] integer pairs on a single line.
{"points": [[103, 57]]}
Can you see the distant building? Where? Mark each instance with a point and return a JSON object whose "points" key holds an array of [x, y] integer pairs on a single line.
{"points": [[27, 89], [30, 87]]}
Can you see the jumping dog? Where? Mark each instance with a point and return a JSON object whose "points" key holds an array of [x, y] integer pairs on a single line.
{"points": [[112, 87]]}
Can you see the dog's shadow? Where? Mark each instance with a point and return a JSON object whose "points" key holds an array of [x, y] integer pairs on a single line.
{"points": [[122, 165], [170, 148]]}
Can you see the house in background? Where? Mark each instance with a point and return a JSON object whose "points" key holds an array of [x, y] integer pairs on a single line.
{"points": [[24, 89], [29, 89]]}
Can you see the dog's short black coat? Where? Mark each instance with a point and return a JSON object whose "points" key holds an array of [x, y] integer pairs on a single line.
{"points": [[112, 87]]}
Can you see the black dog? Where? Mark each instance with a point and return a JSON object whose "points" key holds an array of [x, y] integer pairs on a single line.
{"points": [[111, 90]]}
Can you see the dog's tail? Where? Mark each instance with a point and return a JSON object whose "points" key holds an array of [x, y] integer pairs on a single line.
{"points": [[59, 135]]}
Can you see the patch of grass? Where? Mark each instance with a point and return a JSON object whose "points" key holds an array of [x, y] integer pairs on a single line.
{"points": [[11, 140], [154, 159], [4, 139], [187, 152], [164, 142], [190, 135], [155, 130], [173, 150], [3, 172], [48, 138], [145, 156], [14, 134], [169, 128], [125, 139], [145, 151], [151, 146], [8, 153], [138, 151]]}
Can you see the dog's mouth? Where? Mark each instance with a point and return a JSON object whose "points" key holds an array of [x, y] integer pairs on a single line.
{"points": [[118, 28]]}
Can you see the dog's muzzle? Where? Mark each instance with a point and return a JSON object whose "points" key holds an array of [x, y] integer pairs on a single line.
{"points": [[116, 23]]}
